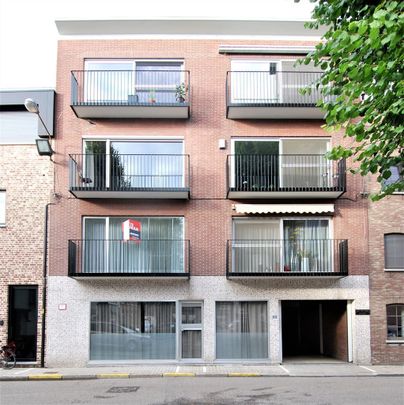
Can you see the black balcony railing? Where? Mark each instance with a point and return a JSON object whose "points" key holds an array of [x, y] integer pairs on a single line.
{"points": [[130, 87], [314, 257], [273, 88], [121, 172], [118, 258], [285, 173]]}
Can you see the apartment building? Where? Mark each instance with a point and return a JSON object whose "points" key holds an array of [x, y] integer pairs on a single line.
{"points": [[199, 220], [26, 187]]}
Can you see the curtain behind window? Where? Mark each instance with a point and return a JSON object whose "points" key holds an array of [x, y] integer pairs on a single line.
{"points": [[132, 331], [307, 247], [241, 330], [161, 249], [257, 246]]}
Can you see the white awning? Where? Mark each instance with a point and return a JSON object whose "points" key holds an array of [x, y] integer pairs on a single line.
{"points": [[284, 208]]}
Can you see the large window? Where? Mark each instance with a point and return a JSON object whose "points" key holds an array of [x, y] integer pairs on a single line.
{"points": [[241, 330], [395, 322], [264, 164], [142, 81], [133, 331], [128, 164], [2, 207], [289, 245], [394, 251], [160, 250]]}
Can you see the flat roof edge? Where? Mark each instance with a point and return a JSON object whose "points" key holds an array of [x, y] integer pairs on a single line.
{"points": [[190, 26]]}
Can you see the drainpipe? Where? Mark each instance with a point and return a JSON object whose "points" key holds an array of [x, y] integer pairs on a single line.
{"points": [[45, 273]]}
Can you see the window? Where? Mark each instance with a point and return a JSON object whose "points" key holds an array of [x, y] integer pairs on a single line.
{"points": [[133, 331], [289, 245], [128, 164], [2, 207], [394, 251], [133, 82], [397, 174], [241, 330], [261, 164], [395, 322], [160, 250]]}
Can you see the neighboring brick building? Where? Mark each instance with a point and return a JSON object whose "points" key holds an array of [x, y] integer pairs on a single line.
{"points": [[246, 244], [26, 186], [386, 271]]}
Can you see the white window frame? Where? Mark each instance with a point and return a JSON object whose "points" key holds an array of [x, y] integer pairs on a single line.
{"points": [[387, 269], [280, 141], [112, 138], [280, 220], [134, 62], [107, 218], [3, 203]]}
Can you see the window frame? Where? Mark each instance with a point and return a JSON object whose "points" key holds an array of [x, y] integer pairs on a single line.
{"points": [[268, 318], [3, 211], [387, 269], [396, 339]]}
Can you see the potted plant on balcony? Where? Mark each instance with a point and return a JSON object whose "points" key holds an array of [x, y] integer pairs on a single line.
{"points": [[181, 92], [152, 96], [304, 259]]}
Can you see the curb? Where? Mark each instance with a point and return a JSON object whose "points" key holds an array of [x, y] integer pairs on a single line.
{"points": [[104, 376]]}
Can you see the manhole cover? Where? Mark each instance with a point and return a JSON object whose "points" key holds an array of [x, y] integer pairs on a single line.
{"points": [[121, 390]]}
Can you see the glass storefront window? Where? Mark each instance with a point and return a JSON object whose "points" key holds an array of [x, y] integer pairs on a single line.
{"points": [[133, 331]]}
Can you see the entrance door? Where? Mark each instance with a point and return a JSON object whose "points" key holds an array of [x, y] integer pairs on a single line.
{"points": [[191, 330], [22, 320], [254, 82]]}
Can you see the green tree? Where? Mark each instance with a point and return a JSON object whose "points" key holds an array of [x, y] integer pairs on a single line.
{"points": [[362, 58]]}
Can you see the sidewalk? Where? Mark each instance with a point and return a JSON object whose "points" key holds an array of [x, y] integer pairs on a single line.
{"points": [[216, 370]]}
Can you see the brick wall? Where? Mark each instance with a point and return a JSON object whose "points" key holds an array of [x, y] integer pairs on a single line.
{"points": [[27, 179], [385, 216], [208, 207]]}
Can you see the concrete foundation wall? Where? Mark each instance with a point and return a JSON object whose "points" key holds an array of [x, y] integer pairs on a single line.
{"points": [[68, 330]]}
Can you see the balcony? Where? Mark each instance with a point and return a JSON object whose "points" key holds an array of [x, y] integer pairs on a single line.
{"points": [[287, 258], [284, 176], [130, 94], [119, 258], [129, 176], [272, 95]]}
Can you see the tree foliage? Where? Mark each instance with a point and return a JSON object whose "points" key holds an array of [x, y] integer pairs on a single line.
{"points": [[362, 58]]}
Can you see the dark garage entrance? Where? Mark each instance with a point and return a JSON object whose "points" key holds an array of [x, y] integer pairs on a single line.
{"points": [[314, 329]]}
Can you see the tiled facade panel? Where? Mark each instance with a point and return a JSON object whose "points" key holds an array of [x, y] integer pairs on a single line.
{"points": [[385, 216], [27, 179]]}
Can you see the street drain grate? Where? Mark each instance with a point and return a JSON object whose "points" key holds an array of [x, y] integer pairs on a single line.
{"points": [[121, 390]]}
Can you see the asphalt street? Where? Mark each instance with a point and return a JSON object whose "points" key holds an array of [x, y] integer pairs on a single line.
{"points": [[207, 390]]}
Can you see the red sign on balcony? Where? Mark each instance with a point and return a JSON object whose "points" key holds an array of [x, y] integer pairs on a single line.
{"points": [[131, 230]]}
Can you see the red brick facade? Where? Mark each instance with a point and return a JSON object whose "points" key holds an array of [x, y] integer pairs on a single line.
{"points": [[208, 207]]}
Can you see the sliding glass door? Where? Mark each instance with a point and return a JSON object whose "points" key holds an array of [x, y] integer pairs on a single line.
{"points": [[134, 164], [160, 250], [256, 165]]}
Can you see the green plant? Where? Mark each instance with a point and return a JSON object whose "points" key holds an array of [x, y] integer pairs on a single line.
{"points": [[181, 92]]}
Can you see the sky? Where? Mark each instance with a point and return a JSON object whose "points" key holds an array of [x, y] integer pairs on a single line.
{"points": [[28, 34]]}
